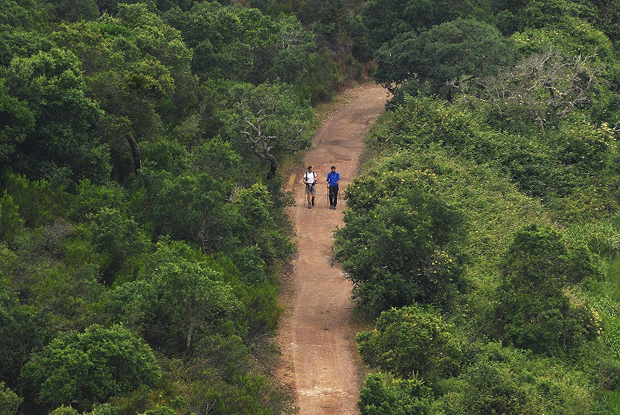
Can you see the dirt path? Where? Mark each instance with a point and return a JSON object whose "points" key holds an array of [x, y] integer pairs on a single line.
{"points": [[319, 361]]}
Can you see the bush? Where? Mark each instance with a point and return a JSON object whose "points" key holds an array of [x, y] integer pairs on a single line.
{"points": [[398, 243], [9, 401], [120, 238], [411, 342], [507, 381], [534, 308], [39, 203], [395, 397], [10, 221], [87, 368], [91, 199]]}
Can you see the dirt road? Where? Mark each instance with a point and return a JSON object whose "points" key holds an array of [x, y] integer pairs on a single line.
{"points": [[319, 358]]}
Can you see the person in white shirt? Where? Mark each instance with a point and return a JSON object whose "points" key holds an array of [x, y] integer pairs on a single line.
{"points": [[310, 182]]}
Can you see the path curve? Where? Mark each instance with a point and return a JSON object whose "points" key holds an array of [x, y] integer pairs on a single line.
{"points": [[319, 362]]}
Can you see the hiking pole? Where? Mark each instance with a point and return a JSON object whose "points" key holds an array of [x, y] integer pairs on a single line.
{"points": [[336, 196], [327, 194]]}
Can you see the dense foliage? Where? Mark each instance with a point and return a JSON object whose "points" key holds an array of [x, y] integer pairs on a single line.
{"points": [[142, 219], [142, 223], [495, 169]]}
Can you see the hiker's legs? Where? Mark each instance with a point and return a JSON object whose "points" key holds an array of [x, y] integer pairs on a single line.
{"points": [[310, 192], [333, 196]]}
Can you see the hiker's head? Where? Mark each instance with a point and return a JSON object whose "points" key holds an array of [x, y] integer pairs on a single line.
{"points": [[309, 168], [333, 168]]}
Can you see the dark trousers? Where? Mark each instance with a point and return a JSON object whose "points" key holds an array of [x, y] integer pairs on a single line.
{"points": [[333, 195]]}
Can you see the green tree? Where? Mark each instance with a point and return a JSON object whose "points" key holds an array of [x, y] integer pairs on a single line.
{"points": [[21, 332], [412, 342], [257, 224], [10, 222], [16, 121], [182, 302], [534, 309], [191, 207], [396, 397], [399, 241], [9, 401], [139, 69], [216, 35], [90, 199], [196, 303], [26, 14], [132, 304], [64, 410], [73, 10], [38, 202], [385, 20], [82, 369], [292, 61], [63, 144], [444, 56], [508, 381], [22, 43], [270, 119], [120, 238]]}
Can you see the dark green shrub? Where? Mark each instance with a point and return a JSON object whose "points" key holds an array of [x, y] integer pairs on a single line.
{"points": [[120, 238], [535, 311], [9, 401], [10, 221], [39, 203], [398, 243], [91, 199], [395, 397], [410, 342], [82, 369]]}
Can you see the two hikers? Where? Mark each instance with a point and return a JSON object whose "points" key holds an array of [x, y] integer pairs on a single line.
{"points": [[333, 181]]}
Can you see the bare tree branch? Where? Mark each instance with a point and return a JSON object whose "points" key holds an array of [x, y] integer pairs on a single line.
{"points": [[547, 85]]}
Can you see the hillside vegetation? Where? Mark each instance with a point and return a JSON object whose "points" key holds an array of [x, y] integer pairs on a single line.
{"points": [[482, 230], [142, 223]]}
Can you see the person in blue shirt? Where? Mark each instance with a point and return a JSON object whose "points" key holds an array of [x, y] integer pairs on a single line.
{"points": [[333, 179]]}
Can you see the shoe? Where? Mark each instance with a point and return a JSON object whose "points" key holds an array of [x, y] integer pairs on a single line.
{"points": [[309, 207]]}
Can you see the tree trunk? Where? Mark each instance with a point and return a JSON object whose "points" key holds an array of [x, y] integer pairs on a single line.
{"points": [[135, 153], [272, 161], [272, 168]]}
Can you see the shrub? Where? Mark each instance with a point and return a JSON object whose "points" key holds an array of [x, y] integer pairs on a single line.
{"points": [[534, 309], [10, 221], [411, 342], [89, 367], [398, 243]]}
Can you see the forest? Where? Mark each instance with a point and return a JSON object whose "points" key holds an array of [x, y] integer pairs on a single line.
{"points": [[143, 222]]}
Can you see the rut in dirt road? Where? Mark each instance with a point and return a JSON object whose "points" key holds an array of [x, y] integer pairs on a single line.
{"points": [[319, 356]]}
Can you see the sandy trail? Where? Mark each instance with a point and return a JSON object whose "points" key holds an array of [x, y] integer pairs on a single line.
{"points": [[319, 362]]}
